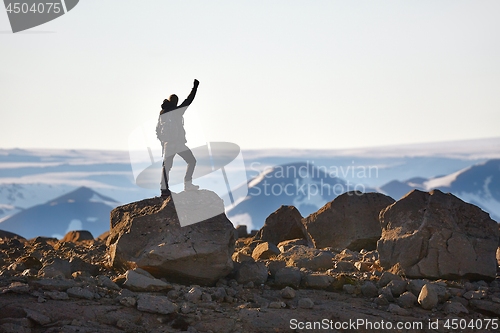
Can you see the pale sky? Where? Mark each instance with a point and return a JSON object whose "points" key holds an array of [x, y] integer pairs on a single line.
{"points": [[274, 74]]}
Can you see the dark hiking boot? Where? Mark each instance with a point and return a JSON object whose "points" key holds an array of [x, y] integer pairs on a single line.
{"points": [[165, 193], [188, 186]]}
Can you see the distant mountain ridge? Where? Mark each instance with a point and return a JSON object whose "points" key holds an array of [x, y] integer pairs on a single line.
{"points": [[300, 184], [81, 209], [30, 177], [478, 184]]}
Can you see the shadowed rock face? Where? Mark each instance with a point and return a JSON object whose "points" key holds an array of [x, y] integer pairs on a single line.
{"points": [[349, 221], [436, 235], [77, 236], [284, 224], [147, 234]]}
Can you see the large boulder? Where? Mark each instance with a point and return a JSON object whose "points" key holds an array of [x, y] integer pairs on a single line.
{"points": [[284, 224], [437, 235], [349, 221], [147, 234]]}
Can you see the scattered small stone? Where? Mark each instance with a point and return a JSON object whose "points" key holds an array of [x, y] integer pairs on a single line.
{"points": [[128, 301], [454, 308], [140, 280], [349, 288], [469, 286], [415, 286], [206, 297], [386, 291], [368, 289], [274, 265], [317, 281], [249, 285], [287, 244], [406, 300], [381, 300], [252, 271], [305, 303], [193, 295], [30, 272], [363, 266], [478, 294], [264, 251], [387, 277], [456, 292], [106, 282], [428, 298], [288, 276], [156, 304], [56, 268], [288, 293], [277, 305], [241, 257], [395, 309], [219, 294], [397, 287], [344, 266], [185, 308], [18, 288]]}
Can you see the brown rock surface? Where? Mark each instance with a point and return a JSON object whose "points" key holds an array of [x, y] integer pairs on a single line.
{"points": [[147, 234], [349, 221], [8, 235], [265, 250], [77, 236], [88, 303], [284, 224], [436, 235]]}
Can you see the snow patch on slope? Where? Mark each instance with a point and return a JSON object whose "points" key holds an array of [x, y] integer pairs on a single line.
{"points": [[444, 181]]}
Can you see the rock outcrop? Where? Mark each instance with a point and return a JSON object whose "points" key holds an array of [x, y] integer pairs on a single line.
{"points": [[77, 236], [8, 235], [147, 235], [349, 221], [284, 224], [436, 235], [268, 295]]}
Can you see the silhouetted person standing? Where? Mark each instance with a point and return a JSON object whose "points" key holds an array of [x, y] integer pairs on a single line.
{"points": [[170, 131]]}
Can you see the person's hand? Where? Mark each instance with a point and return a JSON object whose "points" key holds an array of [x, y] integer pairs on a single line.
{"points": [[196, 83]]}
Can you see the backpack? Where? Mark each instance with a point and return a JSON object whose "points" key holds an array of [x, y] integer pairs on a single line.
{"points": [[169, 127]]}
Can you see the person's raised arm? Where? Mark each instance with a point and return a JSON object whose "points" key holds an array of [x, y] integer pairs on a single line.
{"points": [[191, 96]]}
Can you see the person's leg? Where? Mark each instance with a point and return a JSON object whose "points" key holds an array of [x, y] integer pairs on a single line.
{"points": [[188, 156], [168, 160]]}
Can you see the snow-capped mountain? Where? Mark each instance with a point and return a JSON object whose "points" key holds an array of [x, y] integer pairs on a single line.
{"points": [[82, 209], [18, 197], [300, 184], [478, 184], [32, 177]]}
